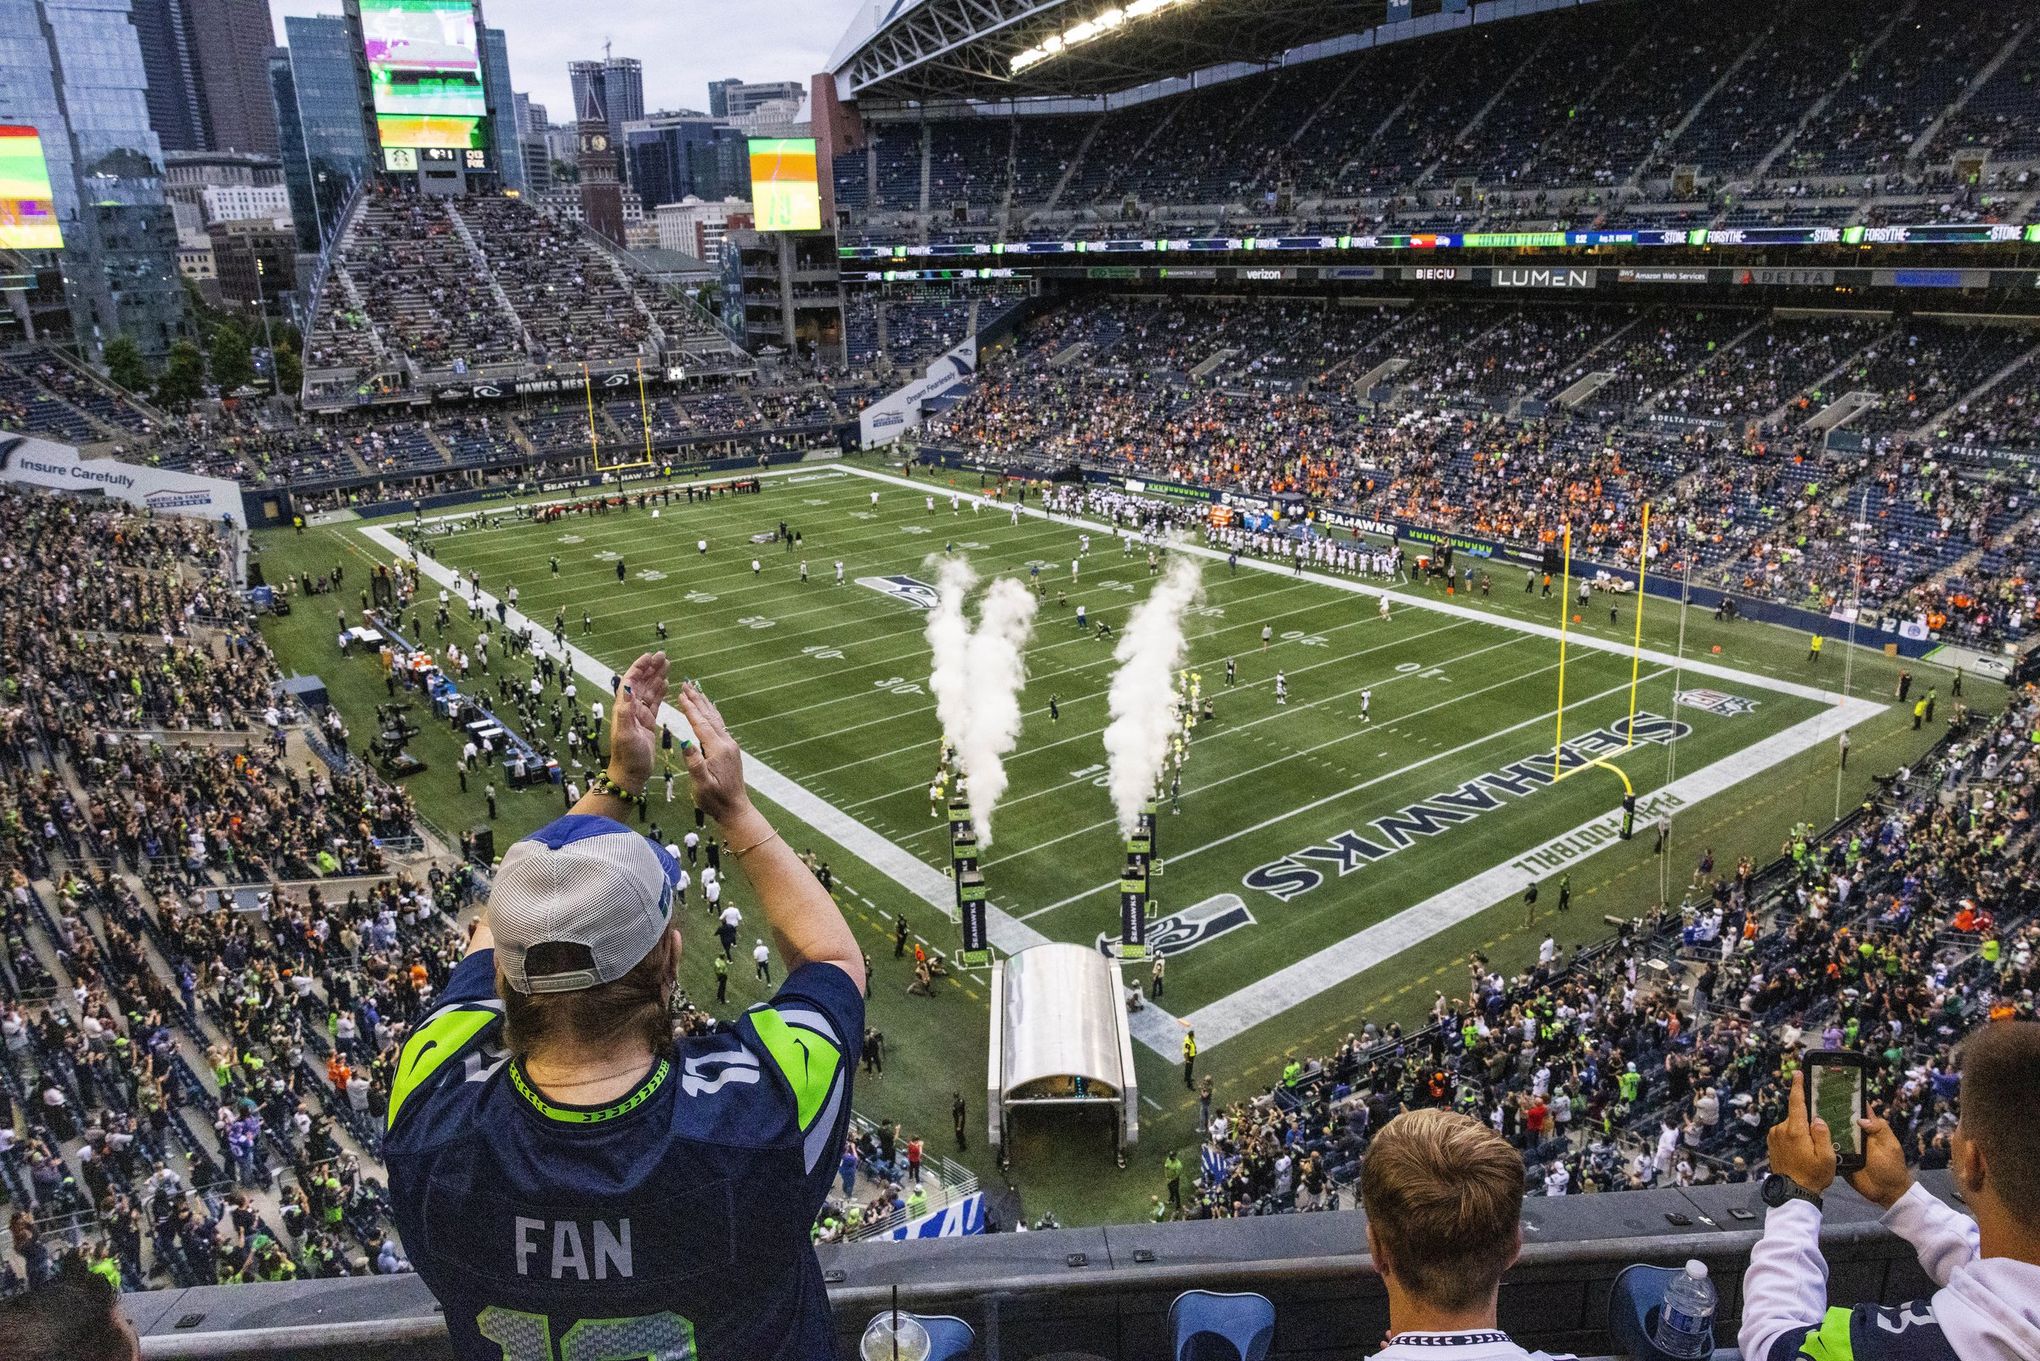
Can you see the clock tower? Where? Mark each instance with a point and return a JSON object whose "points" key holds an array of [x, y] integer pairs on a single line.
{"points": [[601, 195]]}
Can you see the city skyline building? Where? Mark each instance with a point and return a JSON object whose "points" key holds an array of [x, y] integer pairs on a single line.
{"points": [[73, 70], [506, 140], [207, 66], [330, 150], [619, 86]]}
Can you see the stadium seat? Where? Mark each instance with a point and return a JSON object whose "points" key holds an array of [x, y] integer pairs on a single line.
{"points": [[949, 1337], [1209, 1326], [1633, 1304]]}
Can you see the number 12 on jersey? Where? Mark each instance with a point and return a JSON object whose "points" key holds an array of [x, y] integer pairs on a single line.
{"points": [[647, 1337]]}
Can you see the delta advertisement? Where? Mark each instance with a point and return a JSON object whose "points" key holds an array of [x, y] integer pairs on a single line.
{"points": [[27, 461], [886, 419]]}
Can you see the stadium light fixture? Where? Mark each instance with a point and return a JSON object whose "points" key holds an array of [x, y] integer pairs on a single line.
{"points": [[1097, 26]]}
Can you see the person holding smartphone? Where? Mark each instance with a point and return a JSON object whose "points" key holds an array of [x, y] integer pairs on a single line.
{"points": [[1987, 1306]]}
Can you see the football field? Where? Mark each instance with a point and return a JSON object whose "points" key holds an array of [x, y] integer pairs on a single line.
{"points": [[1323, 864]]}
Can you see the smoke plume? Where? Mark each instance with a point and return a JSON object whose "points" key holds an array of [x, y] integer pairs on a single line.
{"points": [[948, 635], [977, 678], [1141, 700]]}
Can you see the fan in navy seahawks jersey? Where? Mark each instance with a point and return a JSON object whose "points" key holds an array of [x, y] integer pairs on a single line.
{"points": [[571, 1182]]}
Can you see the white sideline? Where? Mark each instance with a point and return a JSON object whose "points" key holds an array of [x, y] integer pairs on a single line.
{"points": [[914, 875], [1267, 997], [1277, 992]]}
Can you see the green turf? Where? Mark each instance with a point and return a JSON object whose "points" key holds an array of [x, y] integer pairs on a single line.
{"points": [[828, 686]]}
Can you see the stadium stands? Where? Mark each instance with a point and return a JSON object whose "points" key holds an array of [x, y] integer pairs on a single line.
{"points": [[1927, 367], [167, 1066], [441, 289], [1745, 379], [219, 922], [1574, 1060], [1586, 114], [415, 272]]}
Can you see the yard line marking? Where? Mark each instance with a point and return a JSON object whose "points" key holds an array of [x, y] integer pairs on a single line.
{"points": [[1287, 753], [1575, 639], [922, 652], [913, 875], [1343, 793], [1092, 734], [930, 707], [724, 574], [1277, 992]]}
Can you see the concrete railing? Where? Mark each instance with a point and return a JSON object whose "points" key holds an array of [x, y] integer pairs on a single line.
{"points": [[1106, 1291]]}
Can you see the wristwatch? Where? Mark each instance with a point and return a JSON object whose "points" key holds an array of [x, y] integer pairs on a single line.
{"points": [[1779, 1188]]}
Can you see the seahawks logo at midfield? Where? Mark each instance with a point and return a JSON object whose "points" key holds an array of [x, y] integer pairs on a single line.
{"points": [[910, 590], [1192, 927], [1717, 702]]}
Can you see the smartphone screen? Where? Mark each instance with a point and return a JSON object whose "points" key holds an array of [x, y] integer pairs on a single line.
{"points": [[1834, 1093]]}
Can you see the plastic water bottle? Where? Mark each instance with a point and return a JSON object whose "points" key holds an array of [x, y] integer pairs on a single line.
{"points": [[1688, 1314]]}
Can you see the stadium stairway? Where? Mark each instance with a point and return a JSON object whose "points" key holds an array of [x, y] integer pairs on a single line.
{"points": [[481, 264], [1633, 184], [1918, 150], [1003, 218], [1926, 429], [202, 1162], [1418, 89], [1076, 159], [1813, 109], [1530, 59], [1651, 399], [927, 167], [192, 1033], [1778, 414]]}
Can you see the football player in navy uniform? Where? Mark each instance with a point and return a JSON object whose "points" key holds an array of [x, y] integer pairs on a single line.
{"points": [[572, 1182]]}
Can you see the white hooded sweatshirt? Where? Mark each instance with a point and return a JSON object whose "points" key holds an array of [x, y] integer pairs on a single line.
{"points": [[1987, 1308]]}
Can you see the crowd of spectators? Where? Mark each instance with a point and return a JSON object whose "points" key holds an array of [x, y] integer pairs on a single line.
{"points": [[1703, 414], [176, 1099], [904, 329], [1594, 100], [419, 283], [453, 287], [1661, 1057]]}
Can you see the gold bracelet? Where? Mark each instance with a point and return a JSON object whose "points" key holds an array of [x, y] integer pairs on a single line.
{"points": [[754, 845]]}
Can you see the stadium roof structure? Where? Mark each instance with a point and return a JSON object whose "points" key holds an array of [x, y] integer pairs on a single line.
{"points": [[935, 50]]}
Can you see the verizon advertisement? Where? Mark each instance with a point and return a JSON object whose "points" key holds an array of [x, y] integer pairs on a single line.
{"points": [[891, 416], [35, 462]]}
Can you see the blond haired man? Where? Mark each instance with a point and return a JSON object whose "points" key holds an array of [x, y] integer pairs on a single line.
{"points": [[1444, 1200], [573, 1181]]}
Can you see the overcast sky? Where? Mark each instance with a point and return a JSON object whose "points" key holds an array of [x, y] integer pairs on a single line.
{"points": [[684, 44]]}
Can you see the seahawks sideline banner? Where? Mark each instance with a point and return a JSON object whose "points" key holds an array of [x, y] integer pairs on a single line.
{"points": [[960, 1218], [891, 416], [28, 461]]}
